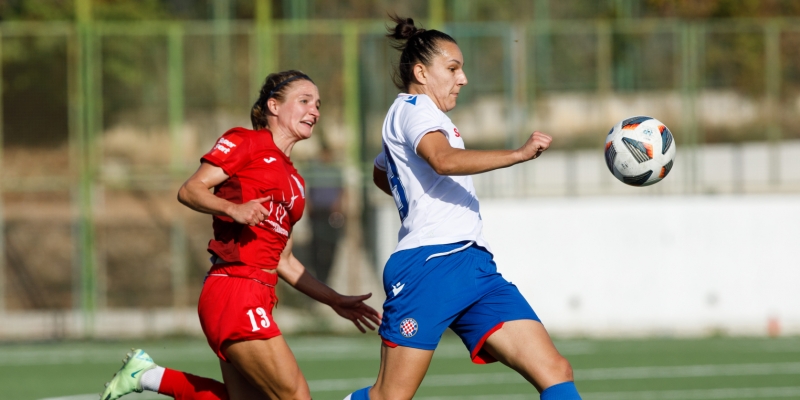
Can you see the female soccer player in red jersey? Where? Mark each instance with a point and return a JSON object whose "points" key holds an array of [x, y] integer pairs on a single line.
{"points": [[442, 274], [258, 196]]}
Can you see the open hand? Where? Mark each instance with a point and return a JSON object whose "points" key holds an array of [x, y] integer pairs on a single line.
{"points": [[354, 309]]}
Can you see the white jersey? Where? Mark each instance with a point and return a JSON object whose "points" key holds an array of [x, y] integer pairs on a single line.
{"points": [[434, 209]]}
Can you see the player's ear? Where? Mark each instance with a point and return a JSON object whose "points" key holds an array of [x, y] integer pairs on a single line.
{"points": [[421, 73], [272, 106]]}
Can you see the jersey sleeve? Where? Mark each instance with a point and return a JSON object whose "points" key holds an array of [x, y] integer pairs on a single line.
{"points": [[419, 120], [380, 161], [231, 152]]}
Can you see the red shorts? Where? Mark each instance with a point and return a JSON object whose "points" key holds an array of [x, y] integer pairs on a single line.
{"points": [[236, 304]]}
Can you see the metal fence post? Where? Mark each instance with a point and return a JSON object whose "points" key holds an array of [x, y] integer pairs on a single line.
{"points": [[605, 77], [175, 109], [772, 82], [544, 55], [689, 33], [263, 49], [436, 10], [352, 105], [85, 137], [177, 163], [2, 192], [353, 180], [604, 59], [518, 95], [516, 83], [222, 51]]}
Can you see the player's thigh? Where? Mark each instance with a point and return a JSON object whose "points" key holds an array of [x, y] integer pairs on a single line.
{"points": [[401, 373], [500, 302], [525, 346], [269, 366], [237, 385]]}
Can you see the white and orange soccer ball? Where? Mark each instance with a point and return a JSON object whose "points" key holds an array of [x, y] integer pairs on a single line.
{"points": [[640, 151]]}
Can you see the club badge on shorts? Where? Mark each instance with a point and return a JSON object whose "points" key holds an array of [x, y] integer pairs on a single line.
{"points": [[408, 327]]}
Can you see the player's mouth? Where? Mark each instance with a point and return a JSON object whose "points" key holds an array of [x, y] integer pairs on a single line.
{"points": [[309, 123]]}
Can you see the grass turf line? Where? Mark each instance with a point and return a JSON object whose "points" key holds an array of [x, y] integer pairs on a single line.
{"points": [[756, 368]]}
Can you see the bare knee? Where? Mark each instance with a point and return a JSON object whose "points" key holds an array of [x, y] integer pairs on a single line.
{"points": [[300, 394], [547, 372], [297, 391], [560, 369]]}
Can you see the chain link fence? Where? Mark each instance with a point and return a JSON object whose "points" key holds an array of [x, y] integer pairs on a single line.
{"points": [[102, 121]]}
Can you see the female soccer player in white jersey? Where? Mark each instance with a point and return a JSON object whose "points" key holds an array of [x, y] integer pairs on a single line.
{"points": [[441, 274]]}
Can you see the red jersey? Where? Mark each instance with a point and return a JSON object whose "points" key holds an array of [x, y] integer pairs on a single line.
{"points": [[257, 168]]}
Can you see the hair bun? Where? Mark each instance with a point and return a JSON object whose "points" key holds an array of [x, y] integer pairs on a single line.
{"points": [[404, 29]]}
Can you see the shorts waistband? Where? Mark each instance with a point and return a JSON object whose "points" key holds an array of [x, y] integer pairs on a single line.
{"points": [[468, 247], [446, 253], [244, 271]]}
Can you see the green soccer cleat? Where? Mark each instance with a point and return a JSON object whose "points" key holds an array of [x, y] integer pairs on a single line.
{"points": [[129, 378]]}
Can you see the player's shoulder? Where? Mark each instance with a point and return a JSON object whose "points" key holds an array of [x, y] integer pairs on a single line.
{"points": [[418, 105], [236, 136], [416, 101], [254, 139], [243, 133]]}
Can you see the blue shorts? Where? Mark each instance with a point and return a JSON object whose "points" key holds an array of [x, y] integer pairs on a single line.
{"points": [[462, 290]]}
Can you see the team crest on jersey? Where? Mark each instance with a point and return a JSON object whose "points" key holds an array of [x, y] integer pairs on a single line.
{"points": [[409, 327], [456, 131]]}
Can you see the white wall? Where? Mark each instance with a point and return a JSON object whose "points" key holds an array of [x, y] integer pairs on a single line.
{"points": [[634, 266]]}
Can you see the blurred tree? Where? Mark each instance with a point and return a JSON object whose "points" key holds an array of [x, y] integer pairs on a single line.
{"points": [[734, 59], [35, 75], [35, 67], [706, 9], [36, 10]]}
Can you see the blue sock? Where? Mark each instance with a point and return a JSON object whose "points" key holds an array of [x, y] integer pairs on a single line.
{"points": [[360, 394], [561, 391]]}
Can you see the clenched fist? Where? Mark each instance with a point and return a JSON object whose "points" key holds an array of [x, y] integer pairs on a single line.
{"points": [[536, 144]]}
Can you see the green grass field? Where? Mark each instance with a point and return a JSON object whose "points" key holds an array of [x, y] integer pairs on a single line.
{"points": [[714, 368]]}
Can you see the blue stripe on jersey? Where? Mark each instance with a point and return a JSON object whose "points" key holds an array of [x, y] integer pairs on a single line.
{"points": [[398, 190]]}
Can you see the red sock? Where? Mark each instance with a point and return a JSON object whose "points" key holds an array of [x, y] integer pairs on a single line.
{"points": [[183, 386]]}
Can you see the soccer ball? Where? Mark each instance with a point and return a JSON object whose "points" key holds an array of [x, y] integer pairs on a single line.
{"points": [[640, 151]]}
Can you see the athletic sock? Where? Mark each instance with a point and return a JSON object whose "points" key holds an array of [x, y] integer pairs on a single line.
{"points": [[183, 386], [151, 379], [360, 394], [561, 391]]}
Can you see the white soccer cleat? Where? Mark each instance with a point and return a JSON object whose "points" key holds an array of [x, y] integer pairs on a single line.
{"points": [[129, 378]]}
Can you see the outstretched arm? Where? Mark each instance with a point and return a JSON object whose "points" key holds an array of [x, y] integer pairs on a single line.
{"points": [[353, 308], [195, 194], [448, 160]]}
